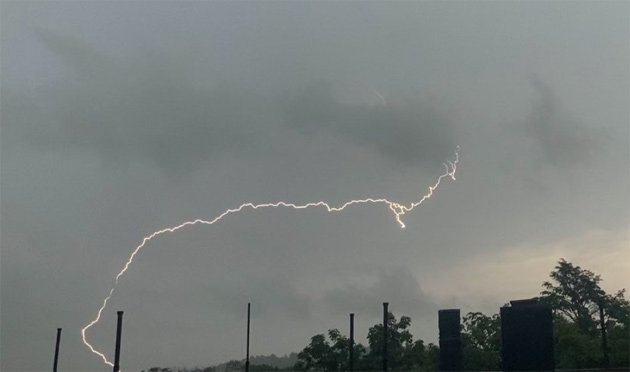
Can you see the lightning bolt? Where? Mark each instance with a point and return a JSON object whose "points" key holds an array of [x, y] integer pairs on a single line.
{"points": [[397, 209]]}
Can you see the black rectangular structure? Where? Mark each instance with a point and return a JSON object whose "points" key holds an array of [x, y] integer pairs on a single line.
{"points": [[527, 336], [450, 340]]}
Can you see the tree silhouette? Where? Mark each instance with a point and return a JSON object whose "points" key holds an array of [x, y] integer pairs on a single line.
{"points": [[481, 338], [324, 355], [575, 294]]}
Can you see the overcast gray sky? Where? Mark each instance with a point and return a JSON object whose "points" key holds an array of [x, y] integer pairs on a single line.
{"points": [[121, 118]]}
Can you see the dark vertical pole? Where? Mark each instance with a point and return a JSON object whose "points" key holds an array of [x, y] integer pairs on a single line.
{"points": [[602, 324], [385, 318], [57, 349], [247, 353], [118, 337], [351, 353]]}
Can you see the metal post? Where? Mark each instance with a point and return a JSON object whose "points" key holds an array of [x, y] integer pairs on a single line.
{"points": [[602, 325], [385, 318], [57, 350], [247, 355], [351, 351], [118, 337]]}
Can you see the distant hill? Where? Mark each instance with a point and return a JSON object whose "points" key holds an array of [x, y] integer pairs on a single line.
{"points": [[268, 362], [280, 362], [285, 361]]}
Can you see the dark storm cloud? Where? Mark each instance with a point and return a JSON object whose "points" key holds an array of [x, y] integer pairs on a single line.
{"points": [[563, 139], [399, 287], [405, 133], [122, 118], [70, 50], [148, 111]]}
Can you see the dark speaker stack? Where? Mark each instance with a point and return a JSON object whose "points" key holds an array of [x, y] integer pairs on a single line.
{"points": [[527, 336], [450, 340]]}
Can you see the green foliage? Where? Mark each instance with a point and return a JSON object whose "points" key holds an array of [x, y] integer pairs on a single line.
{"points": [[572, 347], [404, 354], [399, 344], [618, 327], [481, 338], [574, 293], [234, 365], [262, 367], [619, 345], [581, 306], [420, 357], [618, 309], [430, 358], [280, 362], [161, 369], [330, 354]]}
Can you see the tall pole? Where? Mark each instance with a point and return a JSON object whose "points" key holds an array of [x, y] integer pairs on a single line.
{"points": [[57, 350], [351, 351], [602, 325], [247, 353], [118, 337], [385, 317]]}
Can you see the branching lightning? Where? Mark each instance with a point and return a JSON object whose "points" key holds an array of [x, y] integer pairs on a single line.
{"points": [[397, 209]]}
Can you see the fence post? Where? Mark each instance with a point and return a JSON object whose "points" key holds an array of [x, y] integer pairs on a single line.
{"points": [[57, 349], [247, 352], [385, 318], [351, 351], [118, 337]]}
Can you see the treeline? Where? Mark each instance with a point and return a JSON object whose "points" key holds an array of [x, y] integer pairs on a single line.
{"points": [[257, 363], [591, 327], [591, 330], [330, 353]]}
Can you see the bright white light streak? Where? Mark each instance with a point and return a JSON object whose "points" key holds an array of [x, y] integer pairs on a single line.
{"points": [[397, 209]]}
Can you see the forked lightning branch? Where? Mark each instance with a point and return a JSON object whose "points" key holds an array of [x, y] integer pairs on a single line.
{"points": [[398, 210]]}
